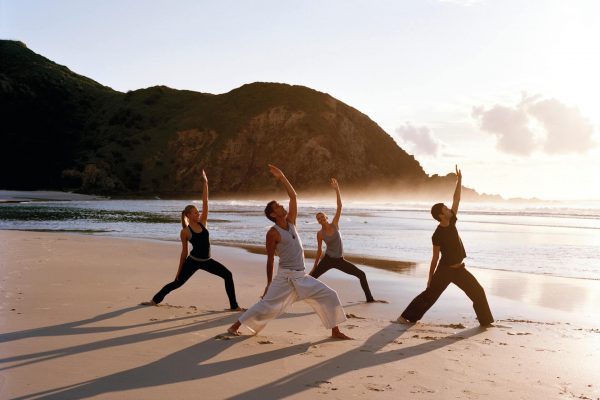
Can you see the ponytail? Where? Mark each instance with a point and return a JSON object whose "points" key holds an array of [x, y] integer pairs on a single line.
{"points": [[184, 223], [184, 218]]}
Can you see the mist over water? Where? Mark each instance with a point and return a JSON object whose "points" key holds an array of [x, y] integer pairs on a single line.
{"points": [[554, 239]]}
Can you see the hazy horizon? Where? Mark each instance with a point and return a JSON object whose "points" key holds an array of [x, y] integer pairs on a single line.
{"points": [[326, 198]]}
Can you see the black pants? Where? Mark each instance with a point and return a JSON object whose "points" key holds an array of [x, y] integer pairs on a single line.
{"points": [[441, 279], [190, 266], [327, 263]]}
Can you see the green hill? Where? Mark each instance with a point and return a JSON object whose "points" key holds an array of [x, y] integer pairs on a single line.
{"points": [[63, 131]]}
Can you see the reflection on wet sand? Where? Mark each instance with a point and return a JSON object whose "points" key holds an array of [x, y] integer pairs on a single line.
{"points": [[577, 296]]}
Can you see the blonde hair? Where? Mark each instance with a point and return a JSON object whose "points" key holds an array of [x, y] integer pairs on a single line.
{"points": [[184, 214]]}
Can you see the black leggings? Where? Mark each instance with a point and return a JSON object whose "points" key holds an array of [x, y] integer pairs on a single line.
{"points": [[442, 277], [327, 263], [189, 267]]}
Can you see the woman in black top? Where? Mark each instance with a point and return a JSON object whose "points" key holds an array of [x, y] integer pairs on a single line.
{"points": [[194, 231]]}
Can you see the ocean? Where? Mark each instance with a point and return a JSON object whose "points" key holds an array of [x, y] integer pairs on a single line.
{"points": [[556, 239]]}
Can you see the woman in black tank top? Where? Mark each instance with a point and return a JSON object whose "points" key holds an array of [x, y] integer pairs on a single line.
{"points": [[194, 231]]}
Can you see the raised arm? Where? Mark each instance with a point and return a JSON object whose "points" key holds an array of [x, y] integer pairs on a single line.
{"points": [[456, 198], [338, 211], [204, 214], [293, 207]]}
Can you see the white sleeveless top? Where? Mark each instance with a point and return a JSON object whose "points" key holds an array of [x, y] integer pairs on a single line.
{"points": [[289, 248], [335, 248]]}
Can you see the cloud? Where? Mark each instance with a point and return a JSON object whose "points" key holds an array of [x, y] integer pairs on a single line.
{"points": [[534, 124], [567, 130], [510, 126], [419, 139]]}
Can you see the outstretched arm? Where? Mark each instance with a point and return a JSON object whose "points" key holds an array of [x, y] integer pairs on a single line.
{"points": [[338, 211], [184, 251], [434, 260], [319, 251], [204, 215], [293, 207], [456, 198], [272, 239]]}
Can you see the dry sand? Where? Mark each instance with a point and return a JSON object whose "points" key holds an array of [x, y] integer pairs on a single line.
{"points": [[71, 328]]}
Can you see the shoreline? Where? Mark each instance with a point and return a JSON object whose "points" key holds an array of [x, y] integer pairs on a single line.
{"points": [[497, 282], [310, 195], [71, 328], [398, 266]]}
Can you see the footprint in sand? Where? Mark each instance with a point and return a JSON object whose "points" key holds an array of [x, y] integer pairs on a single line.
{"points": [[322, 385], [265, 342], [592, 330], [518, 333], [527, 321], [378, 387], [421, 389], [147, 303], [354, 316], [453, 326], [224, 337]]}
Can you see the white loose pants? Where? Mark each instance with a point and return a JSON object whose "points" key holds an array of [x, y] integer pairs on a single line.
{"points": [[286, 288]]}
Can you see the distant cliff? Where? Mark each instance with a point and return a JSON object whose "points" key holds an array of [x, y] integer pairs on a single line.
{"points": [[61, 130]]}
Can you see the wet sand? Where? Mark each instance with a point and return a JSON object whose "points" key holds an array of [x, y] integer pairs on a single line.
{"points": [[71, 328]]}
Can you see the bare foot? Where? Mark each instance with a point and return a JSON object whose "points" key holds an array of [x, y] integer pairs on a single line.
{"points": [[490, 325], [336, 334], [233, 329], [403, 321], [148, 303], [236, 309], [233, 332], [378, 301]]}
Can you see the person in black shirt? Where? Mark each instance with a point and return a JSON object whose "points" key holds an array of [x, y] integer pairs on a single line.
{"points": [[450, 269], [194, 231]]}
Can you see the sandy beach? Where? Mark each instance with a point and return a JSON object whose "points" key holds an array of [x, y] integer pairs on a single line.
{"points": [[71, 328]]}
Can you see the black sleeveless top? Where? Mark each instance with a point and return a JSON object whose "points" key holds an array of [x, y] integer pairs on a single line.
{"points": [[200, 243], [451, 247]]}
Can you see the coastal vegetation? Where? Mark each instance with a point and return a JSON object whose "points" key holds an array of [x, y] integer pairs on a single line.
{"points": [[64, 131]]}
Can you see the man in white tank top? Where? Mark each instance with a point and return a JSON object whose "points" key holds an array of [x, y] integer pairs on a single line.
{"points": [[291, 282]]}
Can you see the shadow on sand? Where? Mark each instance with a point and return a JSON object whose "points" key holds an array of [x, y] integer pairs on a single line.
{"points": [[365, 356], [76, 328], [190, 364]]}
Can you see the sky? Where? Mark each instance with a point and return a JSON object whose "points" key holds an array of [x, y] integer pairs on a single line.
{"points": [[505, 89]]}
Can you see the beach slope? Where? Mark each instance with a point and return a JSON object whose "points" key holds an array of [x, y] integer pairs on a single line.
{"points": [[71, 328]]}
